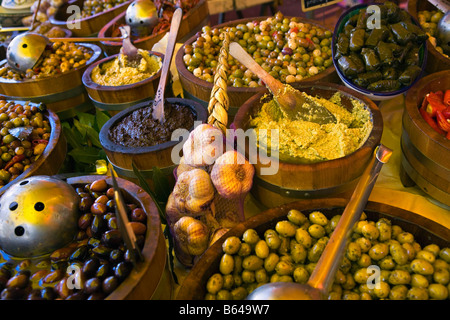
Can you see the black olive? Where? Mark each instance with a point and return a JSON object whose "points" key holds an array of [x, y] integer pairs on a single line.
{"points": [[48, 293], [112, 238], [80, 253], [122, 269], [116, 256], [93, 285], [90, 267], [110, 284]]}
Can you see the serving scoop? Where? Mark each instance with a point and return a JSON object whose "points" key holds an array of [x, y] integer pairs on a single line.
{"points": [[321, 279], [158, 103], [291, 101], [128, 49]]}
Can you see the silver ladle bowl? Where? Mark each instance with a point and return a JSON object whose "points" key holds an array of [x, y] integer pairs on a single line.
{"points": [[25, 50], [443, 32], [322, 278], [141, 15]]}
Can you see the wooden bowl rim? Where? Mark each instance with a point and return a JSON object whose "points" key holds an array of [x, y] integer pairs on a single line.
{"points": [[413, 109], [153, 228], [193, 79], [211, 255], [199, 109], [369, 144], [55, 136], [365, 90], [54, 21], [87, 80], [109, 25], [97, 52]]}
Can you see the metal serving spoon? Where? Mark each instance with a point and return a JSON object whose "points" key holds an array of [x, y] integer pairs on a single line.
{"points": [[158, 103], [322, 278], [291, 101]]}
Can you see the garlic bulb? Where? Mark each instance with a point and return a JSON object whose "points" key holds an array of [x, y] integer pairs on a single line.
{"points": [[193, 192], [203, 146], [232, 175], [192, 235]]}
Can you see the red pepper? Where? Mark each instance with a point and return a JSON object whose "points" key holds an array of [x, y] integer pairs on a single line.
{"points": [[446, 113], [36, 142], [447, 98], [295, 29], [440, 95], [14, 160], [431, 121], [442, 122], [434, 104], [448, 135]]}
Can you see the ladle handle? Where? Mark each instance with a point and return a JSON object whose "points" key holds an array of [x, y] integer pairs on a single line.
{"points": [[158, 104], [243, 57], [323, 275]]}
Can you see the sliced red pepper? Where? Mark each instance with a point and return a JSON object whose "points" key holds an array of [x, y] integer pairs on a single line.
{"points": [[440, 95], [442, 122], [294, 29], [447, 98], [434, 104], [36, 142], [448, 135], [446, 113], [14, 160], [431, 121]]}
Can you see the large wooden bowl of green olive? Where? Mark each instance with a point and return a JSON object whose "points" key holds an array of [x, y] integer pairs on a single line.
{"points": [[411, 252], [290, 48]]}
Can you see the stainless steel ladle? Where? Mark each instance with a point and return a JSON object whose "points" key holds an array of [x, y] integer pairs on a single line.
{"points": [[322, 278]]}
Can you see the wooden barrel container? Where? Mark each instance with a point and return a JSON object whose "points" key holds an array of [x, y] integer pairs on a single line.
{"points": [[200, 89], [315, 180], [53, 156], [144, 158], [425, 153], [425, 232], [143, 281], [62, 93], [436, 61], [117, 98], [191, 22], [84, 27]]}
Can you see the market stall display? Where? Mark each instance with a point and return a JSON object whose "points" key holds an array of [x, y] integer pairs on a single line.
{"points": [[302, 44], [300, 176], [428, 17], [384, 62], [195, 14], [94, 15], [56, 80], [299, 231], [425, 152], [97, 250], [32, 142], [112, 85]]}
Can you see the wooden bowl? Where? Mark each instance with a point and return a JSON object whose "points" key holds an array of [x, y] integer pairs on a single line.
{"points": [[144, 158], [436, 61], [425, 232], [53, 156], [425, 153], [88, 26], [191, 22], [62, 93], [201, 89], [321, 179], [117, 98]]}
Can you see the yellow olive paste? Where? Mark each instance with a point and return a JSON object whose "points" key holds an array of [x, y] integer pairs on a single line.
{"points": [[119, 72], [307, 142]]}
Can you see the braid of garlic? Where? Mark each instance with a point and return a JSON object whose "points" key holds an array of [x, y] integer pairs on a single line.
{"points": [[219, 102]]}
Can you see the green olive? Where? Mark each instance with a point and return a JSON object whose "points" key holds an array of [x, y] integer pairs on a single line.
{"points": [[296, 217], [399, 277], [444, 254], [271, 261], [214, 283], [318, 217], [262, 249], [398, 292], [316, 231], [226, 265], [422, 267], [300, 275], [303, 237], [252, 262], [231, 245], [285, 228], [250, 237], [379, 251], [437, 291], [417, 293]]}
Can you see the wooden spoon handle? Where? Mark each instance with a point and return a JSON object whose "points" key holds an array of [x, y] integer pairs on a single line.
{"points": [[243, 57], [158, 104]]}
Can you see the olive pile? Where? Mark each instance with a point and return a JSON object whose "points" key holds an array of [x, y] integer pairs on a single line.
{"points": [[290, 251], [59, 58], [91, 7], [428, 21], [17, 155], [381, 59], [98, 253], [285, 47]]}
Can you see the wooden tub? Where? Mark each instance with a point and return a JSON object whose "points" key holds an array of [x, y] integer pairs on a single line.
{"points": [[436, 61], [62, 93], [88, 26], [201, 89], [53, 156], [425, 232], [144, 158], [191, 23], [315, 180], [117, 98], [425, 153]]}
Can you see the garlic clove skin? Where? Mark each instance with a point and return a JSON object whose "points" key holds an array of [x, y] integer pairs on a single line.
{"points": [[192, 235], [203, 146], [232, 175]]}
